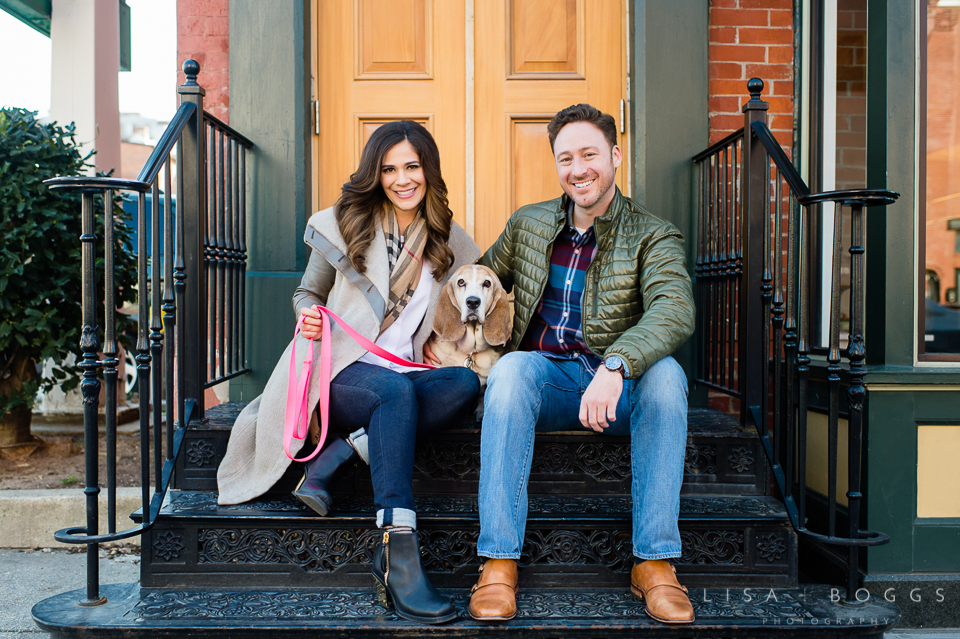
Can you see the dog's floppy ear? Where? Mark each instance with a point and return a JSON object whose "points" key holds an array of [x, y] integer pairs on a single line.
{"points": [[446, 322], [498, 325]]}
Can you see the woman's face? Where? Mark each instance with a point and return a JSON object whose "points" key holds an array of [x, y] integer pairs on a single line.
{"points": [[401, 177]]}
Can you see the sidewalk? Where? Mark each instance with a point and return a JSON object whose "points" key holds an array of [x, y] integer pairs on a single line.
{"points": [[27, 576]]}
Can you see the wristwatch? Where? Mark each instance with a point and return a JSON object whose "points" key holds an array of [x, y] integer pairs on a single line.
{"points": [[615, 364]]}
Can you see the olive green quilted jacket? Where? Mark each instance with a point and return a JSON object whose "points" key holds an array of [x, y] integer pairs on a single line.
{"points": [[637, 301]]}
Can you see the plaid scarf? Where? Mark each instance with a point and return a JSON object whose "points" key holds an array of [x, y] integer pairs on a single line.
{"points": [[405, 257]]}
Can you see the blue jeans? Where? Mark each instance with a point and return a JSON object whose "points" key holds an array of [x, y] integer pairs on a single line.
{"points": [[397, 409], [527, 393]]}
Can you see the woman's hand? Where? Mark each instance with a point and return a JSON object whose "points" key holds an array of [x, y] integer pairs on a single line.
{"points": [[312, 323]]}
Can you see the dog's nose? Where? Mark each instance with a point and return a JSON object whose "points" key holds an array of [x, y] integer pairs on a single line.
{"points": [[473, 303]]}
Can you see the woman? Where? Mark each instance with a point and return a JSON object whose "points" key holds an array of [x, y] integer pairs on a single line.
{"points": [[380, 258]]}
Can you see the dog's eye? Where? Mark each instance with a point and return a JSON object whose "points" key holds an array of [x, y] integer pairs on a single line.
{"points": [[487, 283], [461, 283]]}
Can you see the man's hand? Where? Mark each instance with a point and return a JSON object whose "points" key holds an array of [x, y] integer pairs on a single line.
{"points": [[599, 402], [312, 323], [428, 354]]}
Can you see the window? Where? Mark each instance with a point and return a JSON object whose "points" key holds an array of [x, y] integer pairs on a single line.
{"points": [[939, 312]]}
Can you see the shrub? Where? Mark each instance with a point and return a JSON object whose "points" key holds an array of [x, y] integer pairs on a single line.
{"points": [[40, 276]]}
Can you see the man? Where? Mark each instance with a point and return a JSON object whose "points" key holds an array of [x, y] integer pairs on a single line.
{"points": [[602, 299]]}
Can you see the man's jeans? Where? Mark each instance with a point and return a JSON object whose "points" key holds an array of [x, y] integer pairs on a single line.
{"points": [[528, 392], [397, 409]]}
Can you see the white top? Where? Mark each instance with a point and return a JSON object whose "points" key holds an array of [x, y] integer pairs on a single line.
{"points": [[398, 339]]}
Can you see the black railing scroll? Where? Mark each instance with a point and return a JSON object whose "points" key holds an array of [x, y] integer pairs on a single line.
{"points": [[774, 320], [172, 319]]}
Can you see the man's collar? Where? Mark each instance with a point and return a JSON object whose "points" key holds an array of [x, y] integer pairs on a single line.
{"points": [[600, 224]]}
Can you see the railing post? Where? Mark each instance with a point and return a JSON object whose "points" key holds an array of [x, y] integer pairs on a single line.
{"points": [[754, 177], [192, 199]]}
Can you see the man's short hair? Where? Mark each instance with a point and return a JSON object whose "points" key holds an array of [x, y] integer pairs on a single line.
{"points": [[584, 113]]}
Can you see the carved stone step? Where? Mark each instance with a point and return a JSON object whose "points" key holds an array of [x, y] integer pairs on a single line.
{"points": [[545, 613], [722, 458], [571, 540]]}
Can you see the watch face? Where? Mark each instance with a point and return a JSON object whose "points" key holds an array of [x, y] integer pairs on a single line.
{"points": [[614, 362]]}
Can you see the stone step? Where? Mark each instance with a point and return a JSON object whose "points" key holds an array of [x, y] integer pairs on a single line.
{"points": [[137, 613], [571, 539], [722, 458]]}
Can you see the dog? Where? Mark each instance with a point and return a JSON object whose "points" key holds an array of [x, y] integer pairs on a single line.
{"points": [[473, 322]]}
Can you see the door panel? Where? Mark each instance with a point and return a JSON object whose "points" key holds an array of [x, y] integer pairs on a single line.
{"points": [[383, 60], [539, 56], [376, 63]]}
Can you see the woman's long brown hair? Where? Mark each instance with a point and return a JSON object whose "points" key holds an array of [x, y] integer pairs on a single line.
{"points": [[362, 198]]}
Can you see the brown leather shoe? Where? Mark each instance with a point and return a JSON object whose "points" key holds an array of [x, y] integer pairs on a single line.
{"points": [[656, 582], [494, 598]]}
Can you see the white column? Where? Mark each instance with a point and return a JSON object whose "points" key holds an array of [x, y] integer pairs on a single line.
{"points": [[85, 38]]}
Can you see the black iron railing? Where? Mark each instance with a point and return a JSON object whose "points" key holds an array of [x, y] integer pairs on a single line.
{"points": [[719, 263], [775, 313], [174, 326]]}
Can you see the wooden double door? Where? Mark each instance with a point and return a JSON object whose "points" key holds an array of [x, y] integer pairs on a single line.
{"points": [[484, 76]]}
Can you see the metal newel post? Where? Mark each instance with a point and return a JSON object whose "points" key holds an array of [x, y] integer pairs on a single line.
{"points": [[90, 390], [754, 177], [193, 203]]}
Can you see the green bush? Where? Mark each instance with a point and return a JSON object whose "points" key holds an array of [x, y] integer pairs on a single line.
{"points": [[40, 277]]}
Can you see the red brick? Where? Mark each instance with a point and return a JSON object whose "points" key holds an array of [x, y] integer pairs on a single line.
{"points": [[190, 25], [854, 157], [851, 74], [767, 4], [218, 61], [856, 38], [725, 71], [723, 3], [728, 87], [852, 106], [780, 105], [858, 88], [738, 17], [845, 56], [782, 87], [736, 53], [723, 104], [724, 35], [785, 138], [727, 122], [769, 71], [218, 26], [851, 5], [782, 55], [858, 123], [851, 140], [781, 19], [768, 35]]}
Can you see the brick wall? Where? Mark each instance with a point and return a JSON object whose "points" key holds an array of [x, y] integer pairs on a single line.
{"points": [[751, 39], [203, 35]]}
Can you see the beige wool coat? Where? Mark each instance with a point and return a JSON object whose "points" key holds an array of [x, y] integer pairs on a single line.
{"points": [[255, 458]]}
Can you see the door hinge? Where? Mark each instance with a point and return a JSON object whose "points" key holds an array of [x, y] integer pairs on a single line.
{"points": [[623, 109], [316, 117]]}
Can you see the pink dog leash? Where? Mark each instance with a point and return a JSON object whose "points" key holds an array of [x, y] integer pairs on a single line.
{"points": [[297, 417]]}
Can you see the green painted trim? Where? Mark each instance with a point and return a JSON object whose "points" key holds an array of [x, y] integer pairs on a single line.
{"points": [[891, 487], [935, 548], [876, 225], [669, 85], [270, 320], [270, 104], [33, 13]]}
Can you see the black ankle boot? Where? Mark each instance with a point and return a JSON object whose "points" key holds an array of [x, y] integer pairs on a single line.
{"points": [[322, 472], [400, 578]]}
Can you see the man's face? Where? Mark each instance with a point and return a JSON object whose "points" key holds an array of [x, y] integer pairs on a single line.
{"points": [[586, 165]]}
